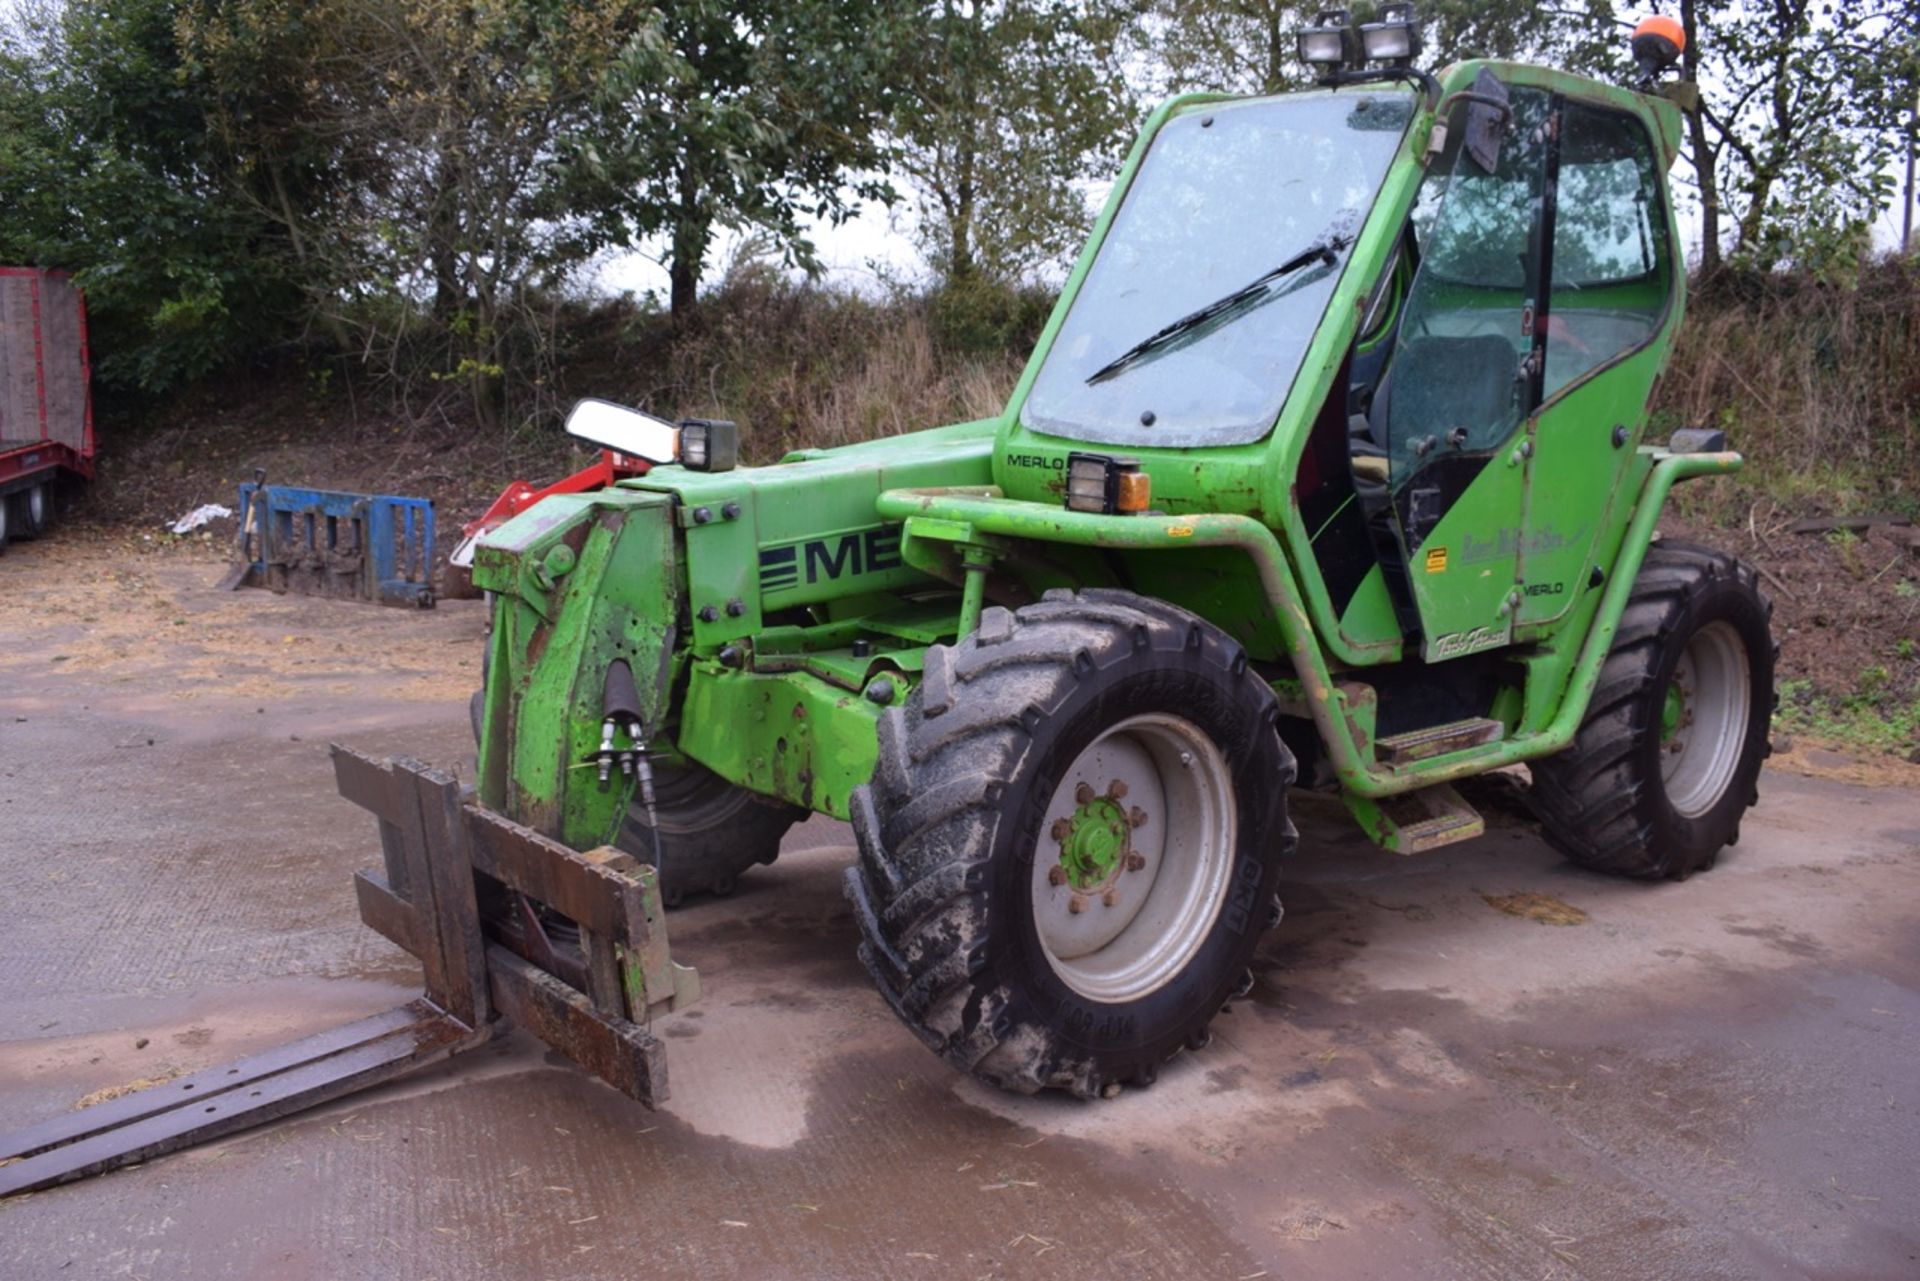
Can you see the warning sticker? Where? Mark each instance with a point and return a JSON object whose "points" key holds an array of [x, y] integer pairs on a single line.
{"points": [[1436, 560]]}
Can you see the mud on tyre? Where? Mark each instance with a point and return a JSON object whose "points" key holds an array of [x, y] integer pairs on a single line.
{"points": [[1032, 922], [1668, 758]]}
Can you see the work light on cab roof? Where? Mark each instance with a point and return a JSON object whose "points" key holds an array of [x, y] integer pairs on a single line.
{"points": [[1335, 43]]}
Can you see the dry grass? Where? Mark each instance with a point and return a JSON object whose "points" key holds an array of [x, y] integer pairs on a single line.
{"points": [[1529, 905], [797, 366], [113, 1092], [1818, 385]]}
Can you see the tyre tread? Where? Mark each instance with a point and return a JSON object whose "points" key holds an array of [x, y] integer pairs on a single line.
{"points": [[1589, 796], [920, 884]]}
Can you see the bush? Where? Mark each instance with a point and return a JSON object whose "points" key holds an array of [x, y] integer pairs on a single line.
{"points": [[976, 316], [797, 365], [1819, 385]]}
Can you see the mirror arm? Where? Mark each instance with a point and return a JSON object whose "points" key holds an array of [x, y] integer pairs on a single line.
{"points": [[1468, 95]]}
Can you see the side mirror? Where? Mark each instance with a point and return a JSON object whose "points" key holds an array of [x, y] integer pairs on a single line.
{"points": [[626, 431], [1488, 111]]}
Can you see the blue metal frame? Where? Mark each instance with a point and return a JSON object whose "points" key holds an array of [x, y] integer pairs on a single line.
{"points": [[323, 542]]}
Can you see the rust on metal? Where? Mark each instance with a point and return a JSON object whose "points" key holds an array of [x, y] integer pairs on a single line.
{"points": [[506, 923], [232, 1097]]}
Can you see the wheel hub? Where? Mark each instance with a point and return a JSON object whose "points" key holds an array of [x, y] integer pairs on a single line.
{"points": [[1096, 840], [1703, 719], [1673, 712], [1133, 861]]}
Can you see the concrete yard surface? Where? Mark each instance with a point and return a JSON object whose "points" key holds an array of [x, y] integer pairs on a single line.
{"points": [[1479, 1062]]}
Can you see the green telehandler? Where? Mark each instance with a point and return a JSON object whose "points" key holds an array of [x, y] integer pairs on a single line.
{"points": [[1329, 470]]}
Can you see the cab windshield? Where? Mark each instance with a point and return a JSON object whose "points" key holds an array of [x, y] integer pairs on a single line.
{"points": [[1192, 322]]}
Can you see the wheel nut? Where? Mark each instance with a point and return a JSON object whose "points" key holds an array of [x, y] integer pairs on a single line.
{"points": [[1137, 817], [1056, 876], [1062, 829], [1076, 905], [1111, 898], [1136, 861], [1083, 793], [1116, 790]]}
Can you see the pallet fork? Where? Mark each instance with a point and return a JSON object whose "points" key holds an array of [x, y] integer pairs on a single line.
{"points": [[322, 542], [508, 925]]}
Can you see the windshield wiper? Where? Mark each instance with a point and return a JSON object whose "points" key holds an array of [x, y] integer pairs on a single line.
{"points": [[1324, 251]]}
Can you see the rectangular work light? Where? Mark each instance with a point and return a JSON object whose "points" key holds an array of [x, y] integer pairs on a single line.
{"points": [[1330, 42], [709, 444], [1110, 486], [1394, 37]]}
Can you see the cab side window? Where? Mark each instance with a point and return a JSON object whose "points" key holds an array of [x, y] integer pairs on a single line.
{"points": [[1453, 386], [1612, 261]]}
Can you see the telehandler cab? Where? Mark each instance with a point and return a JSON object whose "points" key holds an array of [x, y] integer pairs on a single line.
{"points": [[1328, 470]]}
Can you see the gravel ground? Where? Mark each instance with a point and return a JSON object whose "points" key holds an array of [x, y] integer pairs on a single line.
{"points": [[1476, 1063]]}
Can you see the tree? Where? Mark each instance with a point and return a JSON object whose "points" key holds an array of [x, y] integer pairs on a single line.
{"points": [[1008, 108], [439, 130], [1788, 151], [769, 111], [108, 169], [1803, 142]]}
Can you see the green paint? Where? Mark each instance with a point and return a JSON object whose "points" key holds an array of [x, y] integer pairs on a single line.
{"points": [[1672, 709], [765, 610], [1093, 841], [793, 734]]}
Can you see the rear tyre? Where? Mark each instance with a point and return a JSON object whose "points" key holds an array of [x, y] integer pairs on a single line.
{"points": [[6, 521], [31, 514], [36, 512], [711, 831], [1668, 759], [1072, 842]]}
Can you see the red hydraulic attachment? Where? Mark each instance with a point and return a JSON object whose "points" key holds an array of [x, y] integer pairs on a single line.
{"points": [[611, 466], [520, 495]]}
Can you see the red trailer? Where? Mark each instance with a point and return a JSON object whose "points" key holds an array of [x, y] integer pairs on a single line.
{"points": [[46, 407]]}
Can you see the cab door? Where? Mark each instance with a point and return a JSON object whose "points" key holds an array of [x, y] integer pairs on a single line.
{"points": [[1611, 296], [1445, 417]]}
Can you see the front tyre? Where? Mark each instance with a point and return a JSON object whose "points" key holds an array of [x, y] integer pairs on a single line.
{"points": [[1668, 758], [1072, 841]]}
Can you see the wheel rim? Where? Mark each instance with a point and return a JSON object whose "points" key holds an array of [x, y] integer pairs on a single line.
{"points": [[1134, 857], [36, 507], [1703, 719]]}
